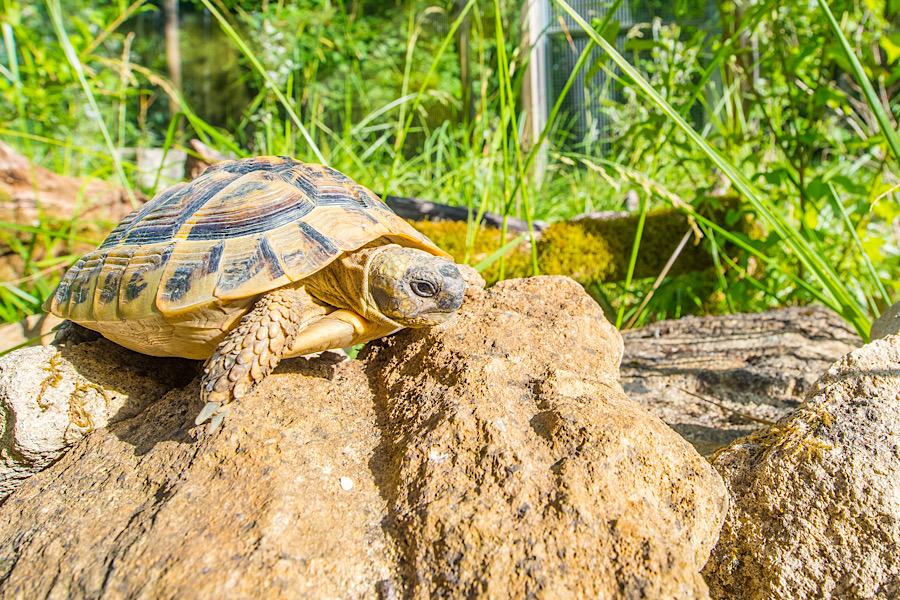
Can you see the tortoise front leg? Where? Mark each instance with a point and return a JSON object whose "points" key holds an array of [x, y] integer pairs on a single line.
{"points": [[253, 349]]}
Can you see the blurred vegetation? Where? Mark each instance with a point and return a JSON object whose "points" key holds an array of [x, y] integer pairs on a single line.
{"points": [[780, 117]]}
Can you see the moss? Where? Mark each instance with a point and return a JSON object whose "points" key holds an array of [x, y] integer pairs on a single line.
{"points": [[663, 231], [451, 236], [570, 249], [589, 250]]}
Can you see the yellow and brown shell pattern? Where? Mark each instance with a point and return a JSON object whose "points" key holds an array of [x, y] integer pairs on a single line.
{"points": [[241, 229]]}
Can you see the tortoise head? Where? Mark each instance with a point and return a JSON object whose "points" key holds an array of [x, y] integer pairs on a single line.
{"points": [[415, 288]]}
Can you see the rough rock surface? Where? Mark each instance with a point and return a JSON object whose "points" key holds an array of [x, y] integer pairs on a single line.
{"points": [[509, 449], [50, 399], [887, 324], [710, 377], [493, 456], [816, 498]]}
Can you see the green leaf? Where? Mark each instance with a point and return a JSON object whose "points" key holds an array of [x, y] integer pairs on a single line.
{"points": [[891, 45], [777, 176], [732, 216], [817, 189]]}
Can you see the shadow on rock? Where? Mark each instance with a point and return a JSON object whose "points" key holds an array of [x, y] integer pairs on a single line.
{"points": [[172, 417]]}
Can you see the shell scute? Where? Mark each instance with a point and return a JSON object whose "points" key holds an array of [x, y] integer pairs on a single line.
{"points": [[304, 249], [109, 280], [137, 291], [302, 180], [83, 286], [134, 217], [59, 303], [250, 269], [253, 204], [191, 277]]}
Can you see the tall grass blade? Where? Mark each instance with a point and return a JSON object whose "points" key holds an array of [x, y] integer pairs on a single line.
{"points": [[858, 242], [47, 232], [497, 254], [56, 16], [632, 261], [884, 122], [9, 40], [847, 304]]}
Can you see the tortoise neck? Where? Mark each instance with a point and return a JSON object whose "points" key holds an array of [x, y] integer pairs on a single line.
{"points": [[345, 284]]}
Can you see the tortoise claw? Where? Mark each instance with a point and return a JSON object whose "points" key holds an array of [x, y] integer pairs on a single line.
{"points": [[210, 410], [217, 420]]}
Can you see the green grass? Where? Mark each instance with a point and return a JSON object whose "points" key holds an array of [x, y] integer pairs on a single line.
{"points": [[821, 206]]}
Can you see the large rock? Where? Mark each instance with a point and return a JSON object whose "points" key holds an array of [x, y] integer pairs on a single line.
{"points": [[510, 450], [494, 456], [816, 498], [716, 379]]}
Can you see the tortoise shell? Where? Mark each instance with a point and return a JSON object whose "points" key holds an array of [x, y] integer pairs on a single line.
{"points": [[241, 229]]}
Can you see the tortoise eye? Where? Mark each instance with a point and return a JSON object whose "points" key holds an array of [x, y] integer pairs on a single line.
{"points": [[425, 289]]}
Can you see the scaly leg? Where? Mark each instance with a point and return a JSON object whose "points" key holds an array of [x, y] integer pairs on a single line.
{"points": [[253, 349], [70, 333]]}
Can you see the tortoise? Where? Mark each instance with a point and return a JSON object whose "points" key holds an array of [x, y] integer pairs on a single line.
{"points": [[253, 261]]}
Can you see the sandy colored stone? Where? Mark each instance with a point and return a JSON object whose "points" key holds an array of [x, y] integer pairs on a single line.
{"points": [[494, 456], [515, 467], [50, 399], [153, 507], [710, 377], [816, 498], [887, 324]]}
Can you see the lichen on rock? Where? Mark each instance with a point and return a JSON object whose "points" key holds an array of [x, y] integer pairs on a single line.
{"points": [[815, 498]]}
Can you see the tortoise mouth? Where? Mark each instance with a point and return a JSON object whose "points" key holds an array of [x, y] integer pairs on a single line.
{"points": [[428, 319], [431, 317]]}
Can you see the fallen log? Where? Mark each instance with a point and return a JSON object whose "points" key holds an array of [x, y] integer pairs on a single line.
{"points": [[29, 192]]}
